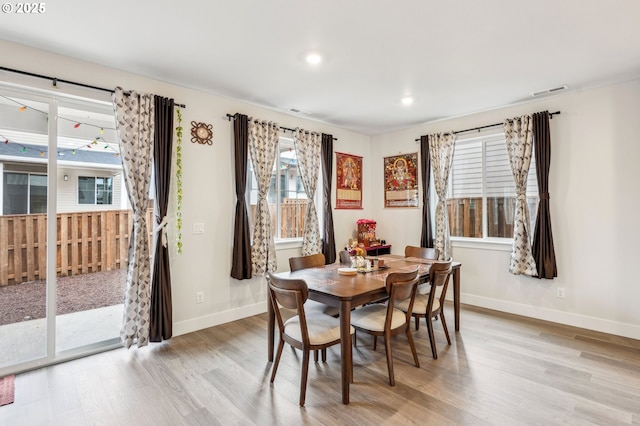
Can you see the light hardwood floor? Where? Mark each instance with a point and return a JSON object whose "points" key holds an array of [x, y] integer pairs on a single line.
{"points": [[500, 370]]}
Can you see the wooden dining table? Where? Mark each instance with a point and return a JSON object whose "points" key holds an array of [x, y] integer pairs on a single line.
{"points": [[345, 292]]}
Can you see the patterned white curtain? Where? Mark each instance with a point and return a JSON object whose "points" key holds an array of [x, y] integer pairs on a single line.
{"points": [[135, 124], [519, 135], [441, 150], [308, 145], [263, 143]]}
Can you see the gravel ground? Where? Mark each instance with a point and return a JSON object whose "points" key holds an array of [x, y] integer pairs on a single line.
{"points": [[26, 301]]}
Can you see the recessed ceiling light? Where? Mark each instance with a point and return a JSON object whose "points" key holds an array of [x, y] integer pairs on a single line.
{"points": [[313, 58], [407, 100]]}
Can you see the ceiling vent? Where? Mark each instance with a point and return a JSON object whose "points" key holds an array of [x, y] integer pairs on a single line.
{"points": [[550, 91], [299, 111]]}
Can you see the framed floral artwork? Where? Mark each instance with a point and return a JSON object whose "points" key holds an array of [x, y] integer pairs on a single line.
{"points": [[348, 181], [401, 180]]}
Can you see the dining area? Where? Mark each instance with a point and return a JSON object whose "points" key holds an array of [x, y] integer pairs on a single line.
{"points": [[315, 306]]}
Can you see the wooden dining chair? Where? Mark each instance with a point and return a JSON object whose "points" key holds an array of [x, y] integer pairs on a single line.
{"points": [[304, 262], [386, 320], [430, 306], [312, 261], [306, 331], [421, 252]]}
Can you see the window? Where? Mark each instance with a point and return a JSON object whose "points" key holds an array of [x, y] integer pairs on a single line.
{"points": [[482, 194], [24, 193], [286, 197], [95, 190]]}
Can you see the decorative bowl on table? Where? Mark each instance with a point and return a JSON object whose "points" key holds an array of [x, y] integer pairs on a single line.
{"points": [[347, 271]]}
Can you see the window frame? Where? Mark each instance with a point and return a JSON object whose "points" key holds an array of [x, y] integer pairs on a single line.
{"points": [[29, 189], [283, 243], [485, 242], [95, 190]]}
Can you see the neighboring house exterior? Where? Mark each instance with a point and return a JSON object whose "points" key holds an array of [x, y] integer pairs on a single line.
{"points": [[87, 180]]}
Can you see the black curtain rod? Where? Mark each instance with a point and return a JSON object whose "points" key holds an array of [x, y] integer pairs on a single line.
{"points": [[231, 117], [55, 81], [551, 114]]}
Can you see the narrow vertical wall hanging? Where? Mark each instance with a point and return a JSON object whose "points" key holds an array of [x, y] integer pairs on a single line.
{"points": [[348, 181]]}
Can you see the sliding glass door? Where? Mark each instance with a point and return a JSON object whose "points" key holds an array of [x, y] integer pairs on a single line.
{"points": [[63, 229]]}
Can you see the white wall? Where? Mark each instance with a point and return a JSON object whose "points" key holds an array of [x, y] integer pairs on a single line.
{"points": [[595, 200], [68, 190]]}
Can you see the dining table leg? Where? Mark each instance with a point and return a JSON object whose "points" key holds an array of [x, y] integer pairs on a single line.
{"points": [[456, 297], [345, 344]]}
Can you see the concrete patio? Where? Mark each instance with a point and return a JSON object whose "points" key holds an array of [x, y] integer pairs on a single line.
{"points": [[25, 341]]}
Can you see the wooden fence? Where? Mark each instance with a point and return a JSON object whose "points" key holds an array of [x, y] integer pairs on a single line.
{"points": [[292, 216], [465, 216], [86, 242]]}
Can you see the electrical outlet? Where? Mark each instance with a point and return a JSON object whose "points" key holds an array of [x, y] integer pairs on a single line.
{"points": [[199, 297], [198, 228], [560, 292]]}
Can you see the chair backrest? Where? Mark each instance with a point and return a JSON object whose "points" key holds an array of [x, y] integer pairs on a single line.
{"points": [[345, 257], [304, 262], [421, 252], [290, 294], [400, 286], [439, 273]]}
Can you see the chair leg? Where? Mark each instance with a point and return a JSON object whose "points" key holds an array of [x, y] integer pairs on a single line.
{"points": [[444, 325], [413, 346], [375, 341], [324, 355], [303, 379], [315, 356], [387, 347], [417, 320], [351, 364], [355, 341], [432, 339], [277, 360]]}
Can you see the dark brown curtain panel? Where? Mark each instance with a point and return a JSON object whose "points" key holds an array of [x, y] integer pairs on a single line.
{"points": [[328, 236], [160, 321], [241, 256], [543, 250], [426, 239]]}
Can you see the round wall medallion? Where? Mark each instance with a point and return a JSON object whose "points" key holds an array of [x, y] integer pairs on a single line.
{"points": [[201, 133]]}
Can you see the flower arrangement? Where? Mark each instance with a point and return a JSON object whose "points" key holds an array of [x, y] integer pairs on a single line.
{"points": [[357, 251]]}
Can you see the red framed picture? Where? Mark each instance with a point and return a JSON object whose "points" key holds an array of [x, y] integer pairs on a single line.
{"points": [[401, 180], [348, 181]]}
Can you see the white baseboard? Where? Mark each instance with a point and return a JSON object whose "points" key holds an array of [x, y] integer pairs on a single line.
{"points": [[567, 318], [206, 321]]}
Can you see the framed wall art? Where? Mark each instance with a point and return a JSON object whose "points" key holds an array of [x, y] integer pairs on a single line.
{"points": [[348, 181], [401, 180]]}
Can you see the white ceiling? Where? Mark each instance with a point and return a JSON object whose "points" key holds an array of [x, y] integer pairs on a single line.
{"points": [[453, 57]]}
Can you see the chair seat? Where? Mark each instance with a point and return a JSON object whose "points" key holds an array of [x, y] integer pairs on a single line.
{"points": [[419, 304], [313, 306], [372, 317], [322, 328]]}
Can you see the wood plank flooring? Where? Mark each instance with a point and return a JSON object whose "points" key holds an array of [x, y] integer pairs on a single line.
{"points": [[501, 369]]}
